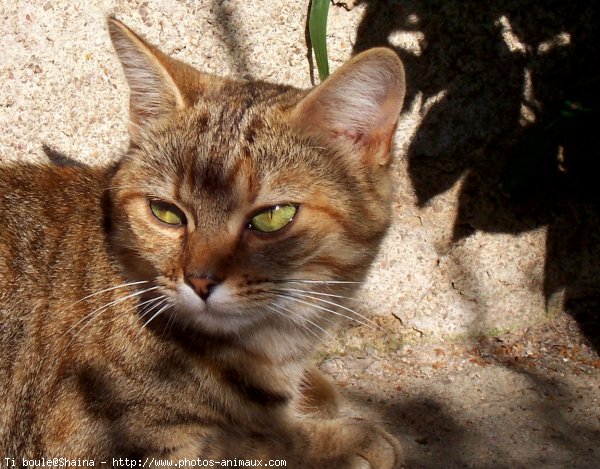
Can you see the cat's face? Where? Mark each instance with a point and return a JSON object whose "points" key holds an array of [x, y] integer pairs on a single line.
{"points": [[237, 205]]}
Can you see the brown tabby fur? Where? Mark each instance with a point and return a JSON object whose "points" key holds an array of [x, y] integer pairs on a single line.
{"points": [[107, 351]]}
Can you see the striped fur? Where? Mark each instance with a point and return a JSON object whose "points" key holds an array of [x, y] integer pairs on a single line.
{"points": [[106, 348]]}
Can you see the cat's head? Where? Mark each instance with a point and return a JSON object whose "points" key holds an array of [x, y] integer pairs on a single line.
{"points": [[247, 203]]}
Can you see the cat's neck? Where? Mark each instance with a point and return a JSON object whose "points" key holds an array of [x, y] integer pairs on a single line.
{"points": [[266, 364], [271, 345]]}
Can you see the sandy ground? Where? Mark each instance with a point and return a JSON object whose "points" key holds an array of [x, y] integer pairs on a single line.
{"points": [[460, 260], [522, 400]]}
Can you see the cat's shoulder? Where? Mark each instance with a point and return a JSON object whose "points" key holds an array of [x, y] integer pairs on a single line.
{"points": [[39, 186], [23, 175]]}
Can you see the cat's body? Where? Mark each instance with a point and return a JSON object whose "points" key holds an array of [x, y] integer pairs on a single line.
{"points": [[167, 306]]}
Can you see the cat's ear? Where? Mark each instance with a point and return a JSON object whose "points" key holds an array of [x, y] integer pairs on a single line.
{"points": [[158, 84], [358, 106]]}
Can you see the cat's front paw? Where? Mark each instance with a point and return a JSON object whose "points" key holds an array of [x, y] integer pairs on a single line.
{"points": [[377, 450]]}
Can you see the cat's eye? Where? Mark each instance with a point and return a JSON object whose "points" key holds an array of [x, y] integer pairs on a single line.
{"points": [[273, 218], [167, 213]]}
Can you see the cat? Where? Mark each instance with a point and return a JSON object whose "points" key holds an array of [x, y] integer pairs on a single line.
{"points": [[168, 305]]}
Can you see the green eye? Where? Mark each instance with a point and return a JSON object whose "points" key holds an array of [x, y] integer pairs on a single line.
{"points": [[273, 218], [167, 213]]}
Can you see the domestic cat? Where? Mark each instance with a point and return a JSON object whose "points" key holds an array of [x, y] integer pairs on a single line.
{"points": [[168, 305]]}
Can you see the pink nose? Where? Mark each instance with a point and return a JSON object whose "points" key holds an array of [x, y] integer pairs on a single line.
{"points": [[203, 286]]}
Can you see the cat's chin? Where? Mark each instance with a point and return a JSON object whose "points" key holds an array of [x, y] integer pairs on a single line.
{"points": [[215, 316]]}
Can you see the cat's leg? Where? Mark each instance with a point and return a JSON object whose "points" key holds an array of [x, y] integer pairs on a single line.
{"points": [[318, 395]]}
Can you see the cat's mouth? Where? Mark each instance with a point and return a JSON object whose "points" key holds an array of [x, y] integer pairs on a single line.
{"points": [[215, 314]]}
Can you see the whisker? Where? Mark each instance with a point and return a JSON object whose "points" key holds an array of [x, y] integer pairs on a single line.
{"points": [[317, 293], [145, 310], [366, 324], [364, 318], [156, 303], [151, 300], [123, 285], [315, 147], [112, 188], [321, 316], [291, 318], [136, 306], [319, 282], [279, 312], [170, 322], [333, 303], [103, 308], [275, 293], [167, 305]]}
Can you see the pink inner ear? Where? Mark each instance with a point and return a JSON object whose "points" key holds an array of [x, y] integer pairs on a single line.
{"points": [[357, 138], [358, 106], [371, 138]]}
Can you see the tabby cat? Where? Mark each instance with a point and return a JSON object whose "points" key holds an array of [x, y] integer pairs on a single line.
{"points": [[167, 306]]}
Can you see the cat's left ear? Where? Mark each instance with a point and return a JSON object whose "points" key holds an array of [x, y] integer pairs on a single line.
{"points": [[158, 84], [357, 107]]}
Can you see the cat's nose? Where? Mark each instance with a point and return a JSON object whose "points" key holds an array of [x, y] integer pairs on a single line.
{"points": [[203, 285]]}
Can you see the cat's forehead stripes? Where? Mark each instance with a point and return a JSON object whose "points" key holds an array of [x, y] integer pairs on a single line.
{"points": [[243, 176], [222, 168]]}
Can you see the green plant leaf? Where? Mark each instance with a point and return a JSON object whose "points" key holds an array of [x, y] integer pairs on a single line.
{"points": [[317, 28]]}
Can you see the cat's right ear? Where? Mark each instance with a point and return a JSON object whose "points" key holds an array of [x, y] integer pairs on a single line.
{"points": [[158, 84]]}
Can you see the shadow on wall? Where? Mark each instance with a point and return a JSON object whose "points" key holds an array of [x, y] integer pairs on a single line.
{"points": [[504, 65], [228, 28]]}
